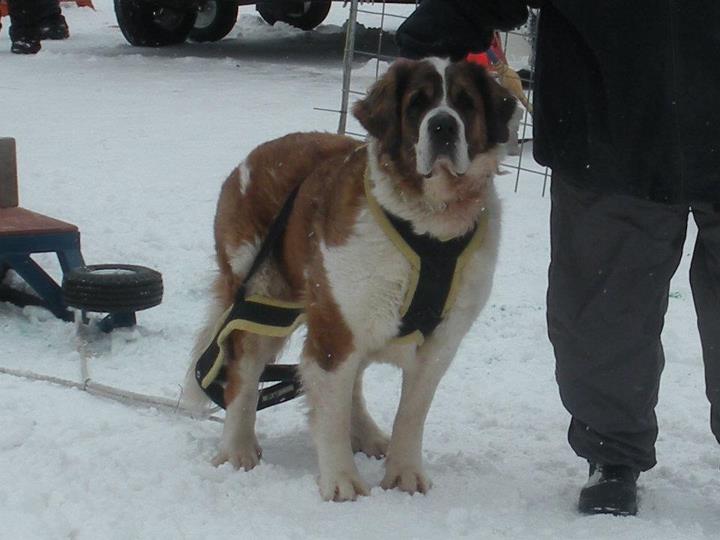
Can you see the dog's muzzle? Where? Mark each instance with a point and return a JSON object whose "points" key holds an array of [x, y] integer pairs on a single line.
{"points": [[442, 137]]}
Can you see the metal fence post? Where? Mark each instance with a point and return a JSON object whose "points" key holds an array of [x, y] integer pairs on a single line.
{"points": [[347, 65]]}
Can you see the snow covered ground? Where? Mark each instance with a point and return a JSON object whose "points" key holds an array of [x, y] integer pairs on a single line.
{"points": [[132, 146]]}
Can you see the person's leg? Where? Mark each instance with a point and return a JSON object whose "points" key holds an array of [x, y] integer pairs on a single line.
{"points": [[51, 23], [611, 263], [23, 27], [705, 282]]}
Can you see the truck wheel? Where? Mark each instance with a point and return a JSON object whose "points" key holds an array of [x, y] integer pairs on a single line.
{"points": [[303, 15], [214, 20], [145, 24], [112, 288]]}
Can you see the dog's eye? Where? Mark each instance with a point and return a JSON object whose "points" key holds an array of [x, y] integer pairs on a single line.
{"points": [[464, 101], [418, 100]]}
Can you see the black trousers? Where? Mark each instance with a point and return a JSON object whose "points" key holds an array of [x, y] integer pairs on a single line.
{"points": [[612, 257], [26, 16]]}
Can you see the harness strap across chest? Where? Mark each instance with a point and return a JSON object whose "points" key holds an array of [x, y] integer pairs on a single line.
{"points": [[436, 267]]}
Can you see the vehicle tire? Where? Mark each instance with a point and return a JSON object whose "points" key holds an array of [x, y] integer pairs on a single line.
{"points": [[303, 15], [112, 288], [214, 20], [145, 24]]}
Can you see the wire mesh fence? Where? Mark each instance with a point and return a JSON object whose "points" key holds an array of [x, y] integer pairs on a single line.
{"points": [[370, 48]]}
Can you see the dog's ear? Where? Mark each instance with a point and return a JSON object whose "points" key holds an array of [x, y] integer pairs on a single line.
{"points": [[379, 111], [499, 106]]}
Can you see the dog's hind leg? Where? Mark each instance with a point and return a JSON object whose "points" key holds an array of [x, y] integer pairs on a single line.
{"points": [[403, 466], [365, 435], [250, 354]]}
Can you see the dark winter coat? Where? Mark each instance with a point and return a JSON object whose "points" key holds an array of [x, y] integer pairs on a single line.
{"points": [[627, 93]]}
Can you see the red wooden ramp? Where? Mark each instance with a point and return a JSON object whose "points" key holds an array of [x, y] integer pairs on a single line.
{"points": [[23, 232]]}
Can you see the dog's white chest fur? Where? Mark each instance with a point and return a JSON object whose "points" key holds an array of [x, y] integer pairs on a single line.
{"points": [[369, 278]]}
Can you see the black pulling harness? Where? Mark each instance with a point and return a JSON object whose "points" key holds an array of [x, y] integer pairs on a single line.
{"points": [[210, 369], [436, 266]]}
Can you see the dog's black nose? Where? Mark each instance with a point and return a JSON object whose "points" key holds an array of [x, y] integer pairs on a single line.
{"points": [[443, 127]]}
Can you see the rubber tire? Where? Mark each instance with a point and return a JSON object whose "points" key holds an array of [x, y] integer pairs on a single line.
{"points": [[96, 288], [225, 17], [139, 23], [279, 10]]}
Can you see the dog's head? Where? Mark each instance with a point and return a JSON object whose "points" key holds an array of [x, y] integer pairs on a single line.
{"points": [[434, 126]]}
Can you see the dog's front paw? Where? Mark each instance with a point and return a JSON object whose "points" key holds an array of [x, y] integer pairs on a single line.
{"points": [[246, 457], [409, 479], [372, 444], [342, 486]]}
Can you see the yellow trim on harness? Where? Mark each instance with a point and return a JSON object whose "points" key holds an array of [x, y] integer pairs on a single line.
{"points": [[274, 302], [261, 329], [464, 258], [415, 338], [213, 372], [249, 326], [394, 236]]}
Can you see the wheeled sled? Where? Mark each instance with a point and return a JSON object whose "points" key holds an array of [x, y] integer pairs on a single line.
{"points": [[116, 289]]}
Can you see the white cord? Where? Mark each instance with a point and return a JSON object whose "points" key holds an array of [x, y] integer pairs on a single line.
{"points": [[111, 392]]}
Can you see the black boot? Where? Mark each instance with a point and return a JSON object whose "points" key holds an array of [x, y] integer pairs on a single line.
{"points": [[54, 28], [611, 489], [25, 46]]}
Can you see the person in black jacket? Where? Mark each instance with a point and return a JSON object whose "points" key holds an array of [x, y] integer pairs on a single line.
{"points": [[626, 115], [32, 21]]}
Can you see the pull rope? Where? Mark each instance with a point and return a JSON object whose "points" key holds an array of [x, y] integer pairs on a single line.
{"points": [[111, 392], [87, 384]]}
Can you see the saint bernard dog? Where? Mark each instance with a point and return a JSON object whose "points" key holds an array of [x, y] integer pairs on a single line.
{"points": [[365, 252]]}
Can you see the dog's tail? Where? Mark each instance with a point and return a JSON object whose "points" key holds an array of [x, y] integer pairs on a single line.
{"points": [[194, 399]]}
